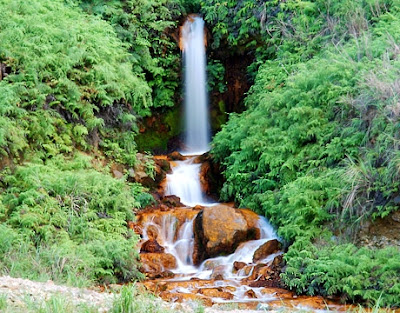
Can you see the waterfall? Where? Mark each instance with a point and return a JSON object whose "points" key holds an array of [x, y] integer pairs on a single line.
{"points": [[184, 182], [197, 133]]}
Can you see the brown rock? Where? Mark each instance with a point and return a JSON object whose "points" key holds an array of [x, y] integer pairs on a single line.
{"points": [[250, 294], [185, 297], [218, 272], [117, 170], [247, 270], [130, 225], [238, 265], [152, 232], [156, 263], [268, 248], [210, 175], [219, 229], [210, 264], [161, 216], [117, 174], [151, 246], [252, 220], [216, 293], [176, 156], [172, 201]]}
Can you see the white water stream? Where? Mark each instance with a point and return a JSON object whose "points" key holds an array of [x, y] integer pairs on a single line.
{"points": [[197, 136], [184, 182]]}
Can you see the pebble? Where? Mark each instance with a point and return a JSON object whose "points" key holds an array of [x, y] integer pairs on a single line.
{"points": [[17, 289]]}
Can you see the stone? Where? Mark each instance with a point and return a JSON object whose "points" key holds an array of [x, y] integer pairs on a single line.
{"points": [[238, 265], [176, 156], [250, 294], [219, 230], [268, 248], [252, 220], [152, 232], [210, 264], [172, 201], [216, 293], [117, 174], [157, 263], [151, 246], [218, 272]]}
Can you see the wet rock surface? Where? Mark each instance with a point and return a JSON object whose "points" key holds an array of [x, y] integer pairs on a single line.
{"points": [[219, 229], [151, 246], [265, 250], [154, 264], [215, 254]]}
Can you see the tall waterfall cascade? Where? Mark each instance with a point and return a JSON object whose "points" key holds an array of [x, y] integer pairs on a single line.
{"points": [[197, 129]]}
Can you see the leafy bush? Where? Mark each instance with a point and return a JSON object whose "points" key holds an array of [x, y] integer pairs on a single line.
{"points": [[146, 27], [72, 82], [365, 274], [317, 151], [67, 221]]}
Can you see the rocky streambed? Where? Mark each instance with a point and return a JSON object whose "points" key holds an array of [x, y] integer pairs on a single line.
{"points": [[216, 255]]}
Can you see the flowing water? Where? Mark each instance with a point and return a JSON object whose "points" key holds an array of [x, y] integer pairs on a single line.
{"points": [[197, 136], [177, 236], [184, 182]]}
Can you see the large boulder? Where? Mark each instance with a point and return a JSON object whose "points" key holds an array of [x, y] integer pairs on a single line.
{"points": [[219, 230]]}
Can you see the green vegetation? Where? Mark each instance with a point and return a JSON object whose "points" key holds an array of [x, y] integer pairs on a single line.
{"points": [[317, 149], [132, 301], [129, 300], [146, 27], [76, 75], [65, 221]]}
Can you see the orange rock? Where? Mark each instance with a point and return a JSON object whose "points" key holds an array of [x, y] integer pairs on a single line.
{"points": [[219, 229], [268, 248], [156, 263], [176, 156], [250, 294], [151, 246], [252, 219], [246, 270], [152, 232], [238, 265], [184, 297], [216, 293]]}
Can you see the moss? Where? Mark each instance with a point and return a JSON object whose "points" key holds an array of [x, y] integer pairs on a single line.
{"points": [[159, 130]]}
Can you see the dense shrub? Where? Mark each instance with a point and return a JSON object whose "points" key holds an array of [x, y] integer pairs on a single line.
{"points": [[72, 83], [317, 151], [64, 220]]}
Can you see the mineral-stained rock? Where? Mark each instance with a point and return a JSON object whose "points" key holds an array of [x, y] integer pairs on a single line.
{"points": [[185, 297], [238, 265], [172, 201], [219, 230], [252, 220], [250, 294], [216, 293], [268, 248], [157, 263], [151, 246], [152, 232], [176, 156]]}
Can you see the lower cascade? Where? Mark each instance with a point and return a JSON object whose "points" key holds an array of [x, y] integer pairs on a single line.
{"points": [[196, 249]]}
